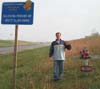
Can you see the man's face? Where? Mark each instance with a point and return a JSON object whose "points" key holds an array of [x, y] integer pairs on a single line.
{"points": [[58, 36]]}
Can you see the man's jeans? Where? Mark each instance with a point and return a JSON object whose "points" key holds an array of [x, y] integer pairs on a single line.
{"points": [[58, 69]]}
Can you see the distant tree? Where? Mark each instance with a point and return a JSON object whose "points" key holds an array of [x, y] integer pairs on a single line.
{"points": [[93, 35], [96, 34]]}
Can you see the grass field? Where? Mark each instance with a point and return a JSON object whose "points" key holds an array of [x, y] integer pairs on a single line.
{"points": [[7, 43], [34, 71], [93, 44], [4, 43]]}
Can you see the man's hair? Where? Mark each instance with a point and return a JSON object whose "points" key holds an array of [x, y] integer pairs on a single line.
{"points": [[58, 33]]}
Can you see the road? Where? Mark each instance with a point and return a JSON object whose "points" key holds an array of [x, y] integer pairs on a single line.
{"points": [[7, 50]]}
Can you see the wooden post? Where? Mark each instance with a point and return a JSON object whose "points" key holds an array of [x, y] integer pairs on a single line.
{"points": [[15, 57]]}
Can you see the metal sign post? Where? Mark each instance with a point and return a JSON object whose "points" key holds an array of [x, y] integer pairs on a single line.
{"points": [[17, 13], [15, 57]]}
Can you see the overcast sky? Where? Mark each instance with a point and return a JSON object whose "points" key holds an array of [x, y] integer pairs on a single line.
{"points": [[73, 18]]}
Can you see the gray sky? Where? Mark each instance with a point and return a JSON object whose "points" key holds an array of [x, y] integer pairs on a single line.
{"points": [[73, 18]]}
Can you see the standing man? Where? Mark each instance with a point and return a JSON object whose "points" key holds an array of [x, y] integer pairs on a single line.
{"points": [[57, 52]]}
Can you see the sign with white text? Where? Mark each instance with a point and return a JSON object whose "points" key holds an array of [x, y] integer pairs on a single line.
{"points": [[17, 13]]}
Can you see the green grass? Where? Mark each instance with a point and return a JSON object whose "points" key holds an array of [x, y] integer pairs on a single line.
{"points": [[7, 43], [34, 71], [4, 43]]}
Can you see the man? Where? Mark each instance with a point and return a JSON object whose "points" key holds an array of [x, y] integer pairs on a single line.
{"points": [[57, 52]]}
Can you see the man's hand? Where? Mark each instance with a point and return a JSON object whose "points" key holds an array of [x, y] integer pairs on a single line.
{"points": [[50, 59], [68, 45]]}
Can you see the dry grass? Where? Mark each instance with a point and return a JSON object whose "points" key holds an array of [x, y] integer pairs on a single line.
{"points": [[93, 44]]}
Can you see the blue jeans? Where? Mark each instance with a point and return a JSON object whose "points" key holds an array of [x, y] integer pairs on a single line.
{"points": [[58, 69]]}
